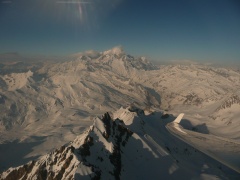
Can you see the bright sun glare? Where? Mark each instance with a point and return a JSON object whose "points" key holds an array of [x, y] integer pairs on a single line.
{"points": [[81, 8]]}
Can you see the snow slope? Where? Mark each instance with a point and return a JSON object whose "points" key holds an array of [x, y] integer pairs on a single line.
{"points": [[224, 150], [130, 146]]}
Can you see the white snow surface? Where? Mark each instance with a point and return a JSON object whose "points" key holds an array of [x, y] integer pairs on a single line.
{"points": [[44, 109]]}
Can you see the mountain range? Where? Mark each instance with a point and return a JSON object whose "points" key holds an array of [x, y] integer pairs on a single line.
{"points": [[46, 107]]}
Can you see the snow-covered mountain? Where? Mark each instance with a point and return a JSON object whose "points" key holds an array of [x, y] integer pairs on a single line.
{"points": [[96, 84], [198, 91], [42, 108], [45, 107], [192, 84], [125, 146]]}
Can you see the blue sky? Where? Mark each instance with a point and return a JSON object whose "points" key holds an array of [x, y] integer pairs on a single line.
{"points": [[202, 30]]}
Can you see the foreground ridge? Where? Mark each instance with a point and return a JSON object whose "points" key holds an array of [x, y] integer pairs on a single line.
{"points": [[131, 143], [106, 135]]}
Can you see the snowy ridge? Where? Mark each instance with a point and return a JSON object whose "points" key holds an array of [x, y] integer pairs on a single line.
{"points": [[85, 155], [234, 99], [227, 114], [110, 149]]}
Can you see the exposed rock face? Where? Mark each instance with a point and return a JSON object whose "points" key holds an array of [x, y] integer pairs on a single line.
{"points": [[193, 99], [56, 165], [234, 99], [228, 113]]}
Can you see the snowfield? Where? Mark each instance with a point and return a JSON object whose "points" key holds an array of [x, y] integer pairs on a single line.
{"points": [[44, 108]]}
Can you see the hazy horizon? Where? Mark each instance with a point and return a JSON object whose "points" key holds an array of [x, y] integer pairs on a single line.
{"points": [[161, 30]]}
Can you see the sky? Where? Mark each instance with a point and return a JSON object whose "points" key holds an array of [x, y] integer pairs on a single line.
{"points": [[164, 30]]}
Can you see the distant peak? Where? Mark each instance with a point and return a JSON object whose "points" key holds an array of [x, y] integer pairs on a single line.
{"points": [[118, 50]]}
